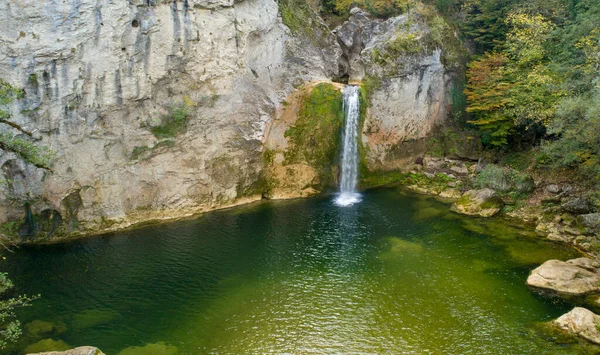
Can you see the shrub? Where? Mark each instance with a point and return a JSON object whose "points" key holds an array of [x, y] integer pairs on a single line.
{"points": [[504, 180], [174, 123]]}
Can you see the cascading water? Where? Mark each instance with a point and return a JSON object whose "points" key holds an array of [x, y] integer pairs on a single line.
{"points": [[349, 163]]}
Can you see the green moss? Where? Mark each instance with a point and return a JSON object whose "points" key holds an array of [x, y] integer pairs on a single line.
{"points": [[269, 156], [47, 345], [93, 317], [138, 151], [10, 228], [315, 136], [370, 84], [300, 18], [141, 151], [159, 348], [33, 80], [39, 328], [174, 122], [363, 167], [381, 178]]}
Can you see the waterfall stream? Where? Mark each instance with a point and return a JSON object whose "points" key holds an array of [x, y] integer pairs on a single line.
{"points": [[349, 162]]}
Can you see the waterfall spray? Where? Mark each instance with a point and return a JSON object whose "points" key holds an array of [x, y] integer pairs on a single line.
{"points": [[349, 162]]}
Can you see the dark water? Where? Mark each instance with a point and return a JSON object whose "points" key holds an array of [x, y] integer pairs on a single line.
{"points": [[393, 274]]}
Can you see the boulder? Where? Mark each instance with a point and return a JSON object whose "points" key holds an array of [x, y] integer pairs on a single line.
{"points": [[581, 322], [553, 189], [484, 202], [575, 277], [590, 220], [451, 194], [577, 205], [82, 350]]}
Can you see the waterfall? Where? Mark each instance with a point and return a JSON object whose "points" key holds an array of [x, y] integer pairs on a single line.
{"points": [[349, 162]]}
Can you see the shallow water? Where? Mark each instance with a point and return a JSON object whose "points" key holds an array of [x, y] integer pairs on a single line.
{"points": [[394, 274]]}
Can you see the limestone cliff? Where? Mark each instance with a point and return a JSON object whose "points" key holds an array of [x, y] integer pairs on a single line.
{"points": [[102, 76], [160, 109], [407, 64]]}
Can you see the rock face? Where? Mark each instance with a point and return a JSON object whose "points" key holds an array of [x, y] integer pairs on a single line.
{"points": [[82, 350], [103, 79], [581, 322], [157, 109], [575, 277], [484, 203], [401, 67]]}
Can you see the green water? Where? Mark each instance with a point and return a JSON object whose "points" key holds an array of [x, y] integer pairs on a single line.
{"points": [[395, 274]]}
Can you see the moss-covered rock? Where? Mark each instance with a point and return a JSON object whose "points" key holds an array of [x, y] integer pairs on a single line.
{"points": [[484, 203], [39, 328], [47, 345], [313, 139], [159, 348]]}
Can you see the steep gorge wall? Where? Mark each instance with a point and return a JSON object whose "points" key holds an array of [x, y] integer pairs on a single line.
{"points": [[102, 77], [99, 74], [408, 64]]}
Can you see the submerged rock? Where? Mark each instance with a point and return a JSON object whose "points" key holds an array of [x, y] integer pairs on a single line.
{"points": [[484, 202], [159, 348], [48, 345], [39, 328], [581, 322], [575, 277], [82, 350]]}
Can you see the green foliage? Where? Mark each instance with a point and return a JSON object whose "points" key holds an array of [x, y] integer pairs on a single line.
{"points": [[369, 84], [577, 125], [174, 122], [26, 150], [10, 327], [300, 18], [20, 143], [378, 8], [314, 137], [504, 180]]}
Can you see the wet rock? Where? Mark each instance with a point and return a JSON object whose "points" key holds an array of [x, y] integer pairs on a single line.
{"points": [[484, 202], [576, 206], [575, 277], [82, 350], [581, 322], [49, 221]]}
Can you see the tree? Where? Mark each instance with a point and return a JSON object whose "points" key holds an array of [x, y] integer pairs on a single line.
{"points": [[10, 327], [40, 157], [514, 87]]}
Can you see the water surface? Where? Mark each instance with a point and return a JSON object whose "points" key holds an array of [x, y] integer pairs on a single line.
{"points": [[394, 274]]}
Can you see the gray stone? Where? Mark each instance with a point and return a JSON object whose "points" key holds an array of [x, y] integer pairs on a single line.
{"points": [[553, 189], [576, 277], [82, 350], [590, 220], [576, 206], [581, 322]]}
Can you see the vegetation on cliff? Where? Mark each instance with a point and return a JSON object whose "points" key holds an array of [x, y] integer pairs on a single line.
{"points": [[15, 138], [314, 137]]}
